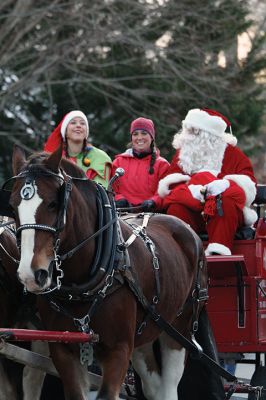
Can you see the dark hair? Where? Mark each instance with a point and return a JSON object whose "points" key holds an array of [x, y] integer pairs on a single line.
{"points": [[84, 148], [153, 157]]}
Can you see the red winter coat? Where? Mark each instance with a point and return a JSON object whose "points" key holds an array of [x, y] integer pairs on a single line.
{"points": [[137, 184], [236, 167]]}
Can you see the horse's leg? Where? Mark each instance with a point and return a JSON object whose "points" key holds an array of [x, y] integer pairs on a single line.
{"points": [[199, 381], [173, 364], [7, 391], [74, 376], [114, 365], [32, 383], [160, 382], [33, 378], [147, 368]]}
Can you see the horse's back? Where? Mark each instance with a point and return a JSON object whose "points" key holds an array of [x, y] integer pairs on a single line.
{"points": [[167, 230], [179, 252]]}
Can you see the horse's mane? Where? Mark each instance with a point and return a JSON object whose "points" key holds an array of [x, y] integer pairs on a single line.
{"points": [[38, 160], [72, 169]]}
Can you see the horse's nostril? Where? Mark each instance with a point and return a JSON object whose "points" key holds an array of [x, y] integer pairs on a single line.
{"points": [[41, 276]]}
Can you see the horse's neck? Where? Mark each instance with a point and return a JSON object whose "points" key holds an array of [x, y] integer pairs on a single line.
{"points": [[81, 224]]}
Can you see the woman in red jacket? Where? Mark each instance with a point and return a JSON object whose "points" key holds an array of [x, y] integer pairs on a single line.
{"points": [[143, 167]]}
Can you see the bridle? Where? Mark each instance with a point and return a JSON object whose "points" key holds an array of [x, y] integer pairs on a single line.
{"points": [[66, 184], [28, 191]]}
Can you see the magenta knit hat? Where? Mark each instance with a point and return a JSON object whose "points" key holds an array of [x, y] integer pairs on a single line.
{"points": [[143, 123]]}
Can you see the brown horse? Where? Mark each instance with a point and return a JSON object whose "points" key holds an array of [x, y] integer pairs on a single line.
{"points": [[10, 297], [10, 288], [17, 311], [125, 278]]}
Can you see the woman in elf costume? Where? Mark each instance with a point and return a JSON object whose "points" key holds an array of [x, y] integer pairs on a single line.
{"points": [[73, 131]]}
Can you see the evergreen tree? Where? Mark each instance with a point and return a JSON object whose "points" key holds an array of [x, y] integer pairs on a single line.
{"points": [[119, 59]]}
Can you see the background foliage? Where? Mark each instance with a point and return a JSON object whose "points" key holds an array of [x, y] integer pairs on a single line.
{"points": [[119, 59]]}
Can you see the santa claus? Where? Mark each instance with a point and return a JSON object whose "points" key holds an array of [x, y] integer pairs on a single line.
{"points": [[208, 166]]}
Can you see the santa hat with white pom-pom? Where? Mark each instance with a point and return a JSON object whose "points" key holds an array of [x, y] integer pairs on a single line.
{"points": [[210, 121]]}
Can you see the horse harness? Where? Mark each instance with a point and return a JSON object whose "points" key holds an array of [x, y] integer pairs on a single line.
{"points": [[6, 283], [114, 262]]}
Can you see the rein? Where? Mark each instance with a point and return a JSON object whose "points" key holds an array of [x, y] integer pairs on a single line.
{"points": [[198, 295], [6, 224], [70, 253], [191, 346]]}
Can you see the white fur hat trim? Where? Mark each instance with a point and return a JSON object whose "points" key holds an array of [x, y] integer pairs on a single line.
{"points": [[69, 117], [200, 119]]}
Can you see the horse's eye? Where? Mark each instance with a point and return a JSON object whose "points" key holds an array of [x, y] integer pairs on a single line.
{"points": [[52, 206]]}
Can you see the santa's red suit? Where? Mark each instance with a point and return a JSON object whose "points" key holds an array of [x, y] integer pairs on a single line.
{"points": [[207, 159]]}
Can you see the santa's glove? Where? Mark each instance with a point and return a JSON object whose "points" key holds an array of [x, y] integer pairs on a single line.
{"points": [[147, 205], [122, 203], [217, 187], [197, 192]]}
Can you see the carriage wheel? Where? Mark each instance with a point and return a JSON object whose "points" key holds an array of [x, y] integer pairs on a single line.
{"points": [[258, 379]]}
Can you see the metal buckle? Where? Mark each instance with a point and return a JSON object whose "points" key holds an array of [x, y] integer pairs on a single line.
{"points": [[27, 191], [108, 282]]}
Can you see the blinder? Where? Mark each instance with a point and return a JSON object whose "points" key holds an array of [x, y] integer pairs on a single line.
{"points": [[5, 208], [28, 191], [63, 197]]}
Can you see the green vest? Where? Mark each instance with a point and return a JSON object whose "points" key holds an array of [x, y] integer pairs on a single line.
{"points": [[99, 169]]}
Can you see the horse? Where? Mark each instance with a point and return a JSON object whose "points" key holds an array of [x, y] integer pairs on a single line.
{"points": [[10, 297], [137, 281], [17, 311], [10, 288]]}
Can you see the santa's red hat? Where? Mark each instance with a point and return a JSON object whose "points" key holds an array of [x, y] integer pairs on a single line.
{"points": [[207, 120], [59, 133], [144, 124]]}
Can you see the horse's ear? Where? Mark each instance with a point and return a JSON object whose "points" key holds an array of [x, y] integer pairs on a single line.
{"points": [[53, 161], [18, 159]]}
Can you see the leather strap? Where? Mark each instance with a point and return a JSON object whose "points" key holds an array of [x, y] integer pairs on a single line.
{"points": [[171, 331]]}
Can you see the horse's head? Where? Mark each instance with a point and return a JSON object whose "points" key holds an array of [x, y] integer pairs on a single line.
{"points": [[40, 201]]}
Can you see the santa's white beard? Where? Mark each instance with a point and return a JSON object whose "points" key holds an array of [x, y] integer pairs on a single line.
{"points": [[201, 152]]}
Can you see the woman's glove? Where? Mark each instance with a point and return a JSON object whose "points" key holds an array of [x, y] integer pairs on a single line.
{"points": [[196, 191], [147, 205], [122, 203], [217, 187]]}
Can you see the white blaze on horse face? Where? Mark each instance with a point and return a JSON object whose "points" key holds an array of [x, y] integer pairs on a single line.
{"points": [[27, 212]]}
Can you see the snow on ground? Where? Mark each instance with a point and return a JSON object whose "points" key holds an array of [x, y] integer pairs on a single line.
{"points": [[244, 371]]}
